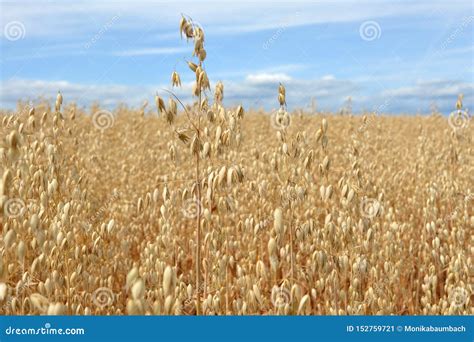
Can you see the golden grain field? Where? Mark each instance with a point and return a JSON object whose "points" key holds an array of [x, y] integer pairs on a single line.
{"points": [[209, 210]]}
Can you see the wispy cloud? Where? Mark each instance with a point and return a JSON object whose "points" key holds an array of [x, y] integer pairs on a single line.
{"points": [[151, 51], [432, 90], [84, 94], [458, 51], [282, 69], [255, 90], [423, 55], [222, 17], [264, 78]]}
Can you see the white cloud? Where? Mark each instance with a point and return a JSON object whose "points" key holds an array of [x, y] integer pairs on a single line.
{"points": [[80, 18], [264, 78], [278, 69], [432, 89], [254, 91], [84, 94], [328, 78]]}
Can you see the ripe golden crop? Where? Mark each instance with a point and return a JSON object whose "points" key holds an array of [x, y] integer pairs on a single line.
{"points": [[211, 210]]}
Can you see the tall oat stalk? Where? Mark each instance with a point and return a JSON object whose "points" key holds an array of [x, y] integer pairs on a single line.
{"points": [[192, 31]]}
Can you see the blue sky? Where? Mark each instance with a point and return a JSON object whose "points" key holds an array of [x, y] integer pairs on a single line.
{"points": [[389, 56]]}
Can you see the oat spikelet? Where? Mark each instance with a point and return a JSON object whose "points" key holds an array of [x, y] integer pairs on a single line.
{"points": [[459, 101], [278, 221], [175, 79], [282, 95], [160, 104]]}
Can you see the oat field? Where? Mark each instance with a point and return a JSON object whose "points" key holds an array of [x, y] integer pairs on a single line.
{"points": [[189, 209]]}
